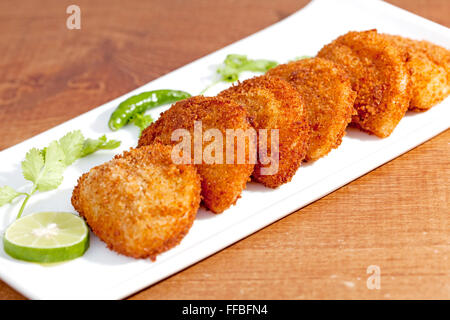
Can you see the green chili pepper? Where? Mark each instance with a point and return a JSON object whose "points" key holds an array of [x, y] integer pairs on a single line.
{"points": [[140, 103]]}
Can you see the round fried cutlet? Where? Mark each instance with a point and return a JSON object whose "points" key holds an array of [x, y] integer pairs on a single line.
{"points": [[378, 73], [274, 104], [140, 203], [224, 176], [439, 55], [429, 66], [328, 98]]}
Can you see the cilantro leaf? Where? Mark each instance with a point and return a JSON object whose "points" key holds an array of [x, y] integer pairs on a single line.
{"points": [[33, 164], [44, 168], [72, 145], [92, 145], [228, 74], [258, 65], [7, 195], [234, 64], [301, 58], [51, 174], [142, 121]]}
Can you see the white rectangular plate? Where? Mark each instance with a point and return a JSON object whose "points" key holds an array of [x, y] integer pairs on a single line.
{"points": [[103, 274]]}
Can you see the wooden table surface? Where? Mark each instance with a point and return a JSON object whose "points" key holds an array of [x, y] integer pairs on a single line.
{"points": [[396, 217]]}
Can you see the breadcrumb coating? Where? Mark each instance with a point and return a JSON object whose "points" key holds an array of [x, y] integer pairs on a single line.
{"points": [[378, 73], [274, 104], [140, 203], [222, 184], [328, 98], [429, 66]]}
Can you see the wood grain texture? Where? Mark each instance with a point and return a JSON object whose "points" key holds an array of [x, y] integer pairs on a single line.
{"points": [[396, 217]]}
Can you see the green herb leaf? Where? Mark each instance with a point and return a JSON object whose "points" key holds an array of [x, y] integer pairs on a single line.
{"points": [[72, 146], [7, 195], [301, 58], [234, 64], [45, 167], [33, 164], [142, 121], [51, 174], [92, 145]]}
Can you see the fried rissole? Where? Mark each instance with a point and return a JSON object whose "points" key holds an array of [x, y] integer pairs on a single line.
{"points": [[429, 66], [274, 104], [378, 73], [328, 98], [222, 183], [140, 203]]}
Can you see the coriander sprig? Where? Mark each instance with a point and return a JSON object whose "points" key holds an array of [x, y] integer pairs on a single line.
{"points": [[235, 64], [45, 168], [142, 121]]}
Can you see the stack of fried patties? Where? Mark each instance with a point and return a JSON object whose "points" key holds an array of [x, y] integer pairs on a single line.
{"points": [[143, 202]]}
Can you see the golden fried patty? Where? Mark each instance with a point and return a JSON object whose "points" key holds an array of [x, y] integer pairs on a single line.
{"points": [[222, 182], [273, 104], [328, 98], [429, 67], [378, 74], [140, 203]]}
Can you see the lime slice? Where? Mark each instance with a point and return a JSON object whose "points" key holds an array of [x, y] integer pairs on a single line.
{"points": [[47, 237]]}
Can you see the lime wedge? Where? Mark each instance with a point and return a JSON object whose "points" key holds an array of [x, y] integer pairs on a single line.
{"points": [[47, 237]]}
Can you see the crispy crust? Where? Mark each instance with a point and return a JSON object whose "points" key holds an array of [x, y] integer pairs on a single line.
{"points": [[222, 184], [140, 203], [378, 74], [429, 66], [328, 98], [274, 104]]}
